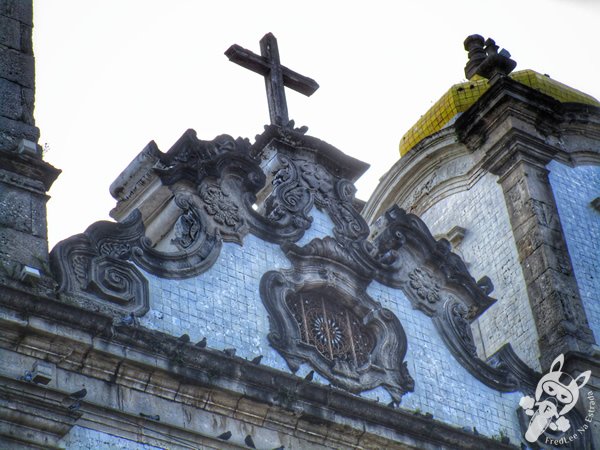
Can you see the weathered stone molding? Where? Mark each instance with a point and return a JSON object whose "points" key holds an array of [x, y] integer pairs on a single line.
{"points": [[87, 349], [33, 415], [503, 371], [213, 188], [452, 301], [92, 269], [414, 183]]}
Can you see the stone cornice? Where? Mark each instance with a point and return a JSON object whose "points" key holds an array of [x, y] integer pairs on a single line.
{"points": [[40, 173], [510, 105], [515, 146], [504, 100], [29, 407], [150, 361], [337, 162]]}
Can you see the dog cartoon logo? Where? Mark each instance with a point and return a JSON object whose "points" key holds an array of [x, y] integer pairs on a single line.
{"points": [[555, 395]]}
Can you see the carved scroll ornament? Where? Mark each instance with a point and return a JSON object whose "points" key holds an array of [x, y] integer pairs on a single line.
{"points": [[214, 186]]}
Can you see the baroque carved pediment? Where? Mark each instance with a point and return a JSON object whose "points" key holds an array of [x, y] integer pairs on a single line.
{"points": [[184, 204], [188, 201]]}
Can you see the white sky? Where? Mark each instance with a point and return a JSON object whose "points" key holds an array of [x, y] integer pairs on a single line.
{"points": [[114, 74]]}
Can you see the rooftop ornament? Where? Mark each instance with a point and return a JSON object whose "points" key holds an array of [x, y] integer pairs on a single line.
{"points": [[277, 77], [485, 60]]}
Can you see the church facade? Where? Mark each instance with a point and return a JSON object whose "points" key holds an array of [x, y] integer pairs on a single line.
{"points": [[243, 298]]}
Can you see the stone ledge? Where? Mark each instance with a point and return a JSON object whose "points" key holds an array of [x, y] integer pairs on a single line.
{"points": [[33, 414], [23, 170], [159, 365]]}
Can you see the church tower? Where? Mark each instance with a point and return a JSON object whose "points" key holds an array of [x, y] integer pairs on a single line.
{"points": [[506, 166], [24, 176]]}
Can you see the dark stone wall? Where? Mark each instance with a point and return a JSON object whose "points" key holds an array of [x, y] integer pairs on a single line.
{"points": [[24, 176], [17, 74]]}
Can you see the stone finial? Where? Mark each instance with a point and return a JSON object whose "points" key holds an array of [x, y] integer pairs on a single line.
{"points": [[485, 59]]}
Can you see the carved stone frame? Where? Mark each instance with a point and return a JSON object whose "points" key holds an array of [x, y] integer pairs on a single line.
{"points": [[315, 273]]}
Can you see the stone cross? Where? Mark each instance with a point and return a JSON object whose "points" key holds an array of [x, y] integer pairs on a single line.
{"points": [[277, 77]]}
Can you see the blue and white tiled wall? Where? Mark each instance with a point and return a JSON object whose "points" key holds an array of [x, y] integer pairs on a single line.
{"points": [[224, 305], [574, 189], [489, 249], [442, 386]]}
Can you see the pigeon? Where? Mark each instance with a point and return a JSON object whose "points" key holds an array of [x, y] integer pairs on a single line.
{"points": [[75, 406], [257, 360], [78, 395], [202, 343], [229, 352], [184, 338], [249, 442], [28, 376], [225, 436], [128, 319], [310, 375]]}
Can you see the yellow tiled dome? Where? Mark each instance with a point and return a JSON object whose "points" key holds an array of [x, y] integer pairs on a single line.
{"points": [[461, 96]]}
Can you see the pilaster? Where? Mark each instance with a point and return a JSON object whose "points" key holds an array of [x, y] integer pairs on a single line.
{"points": [[557, 308], [517, 130]]}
